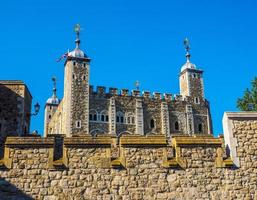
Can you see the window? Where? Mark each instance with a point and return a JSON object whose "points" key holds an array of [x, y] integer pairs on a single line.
{"points": [[74, 63], [200, 128], [197, 100], [104, 116], [0, 127], [84, 64], [194, 75], [78, 124], [133, 120], [73, 76], [93, 115], [49, 117], [119, 117], [84, 77], [152, 124], [176, 126]]}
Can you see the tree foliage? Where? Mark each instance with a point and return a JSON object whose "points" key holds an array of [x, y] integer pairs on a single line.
{"points": [[249, 101]]}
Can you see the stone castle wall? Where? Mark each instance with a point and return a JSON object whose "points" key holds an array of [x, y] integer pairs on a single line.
{"points": [[15, 108], [134, 167]]}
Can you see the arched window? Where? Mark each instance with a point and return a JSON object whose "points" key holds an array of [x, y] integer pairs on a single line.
{"points": [[49, 117], [92, 115], [176, 126], [152, 123], [200, 128], [120, 117], [104, 116], [130, 118]]}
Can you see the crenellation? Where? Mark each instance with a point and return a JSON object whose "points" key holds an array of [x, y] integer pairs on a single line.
{"points": [[124, 92], [146, 94], [157, 95], [135, 93], [168, 97], [113, 91], [101, 90]]}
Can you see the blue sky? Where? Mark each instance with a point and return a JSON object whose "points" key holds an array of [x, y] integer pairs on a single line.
{"points": [[131, 40]]}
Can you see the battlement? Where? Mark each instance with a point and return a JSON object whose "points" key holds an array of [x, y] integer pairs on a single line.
{"points": [[102, 91]]}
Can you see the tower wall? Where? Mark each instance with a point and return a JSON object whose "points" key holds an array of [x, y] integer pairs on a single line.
{"points": [[76, 96]]}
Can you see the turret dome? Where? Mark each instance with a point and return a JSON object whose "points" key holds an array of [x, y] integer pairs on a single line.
{"points": [[188, 65]]}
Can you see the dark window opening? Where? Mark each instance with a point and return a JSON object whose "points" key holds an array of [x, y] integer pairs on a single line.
{"points": [[102, 118], [84, 64], [84, 77], [90, 117], [152, 125], [117, 119], [49, 117], [78, 124], [74, 63], [95, 117], [0, 127], [176, 126], [107, 118], [73, 76], [200, 128], [121, 119]]}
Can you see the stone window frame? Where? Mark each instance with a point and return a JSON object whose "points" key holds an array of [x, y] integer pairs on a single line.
{"points": [[93, 115], [78, 123], [129, 118], [197, 100], [104, 116], [120, 117]]}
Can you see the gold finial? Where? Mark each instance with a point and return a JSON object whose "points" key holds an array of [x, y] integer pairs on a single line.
{"points": [[77, 31], [137, 84], [187, 48]]}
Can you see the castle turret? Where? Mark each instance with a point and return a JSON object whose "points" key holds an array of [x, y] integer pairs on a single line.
{"points": [[191, 81], [76, 91], [50, 107]]}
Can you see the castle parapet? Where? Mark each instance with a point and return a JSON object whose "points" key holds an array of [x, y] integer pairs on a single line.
{"points": [[124, 92], [146, 94], [101, 90], [135, 93], [113, 91], [168, 97], [157, 95]]}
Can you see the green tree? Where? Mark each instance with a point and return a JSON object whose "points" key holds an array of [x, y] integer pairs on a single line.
{"points": [[249, 100]]}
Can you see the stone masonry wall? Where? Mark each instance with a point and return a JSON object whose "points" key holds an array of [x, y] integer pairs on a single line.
{"points": [[137, 167]]}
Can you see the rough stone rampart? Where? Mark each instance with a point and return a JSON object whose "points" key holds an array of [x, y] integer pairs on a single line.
{"points": [[134, 167]]}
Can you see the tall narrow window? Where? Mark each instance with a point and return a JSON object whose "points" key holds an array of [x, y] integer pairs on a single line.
{"points": [[49, 117], [176, 126], [200, 128], [78, 124], [95, 117], [90, 117], [152, 124], [74, 63], [0, 127]]}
